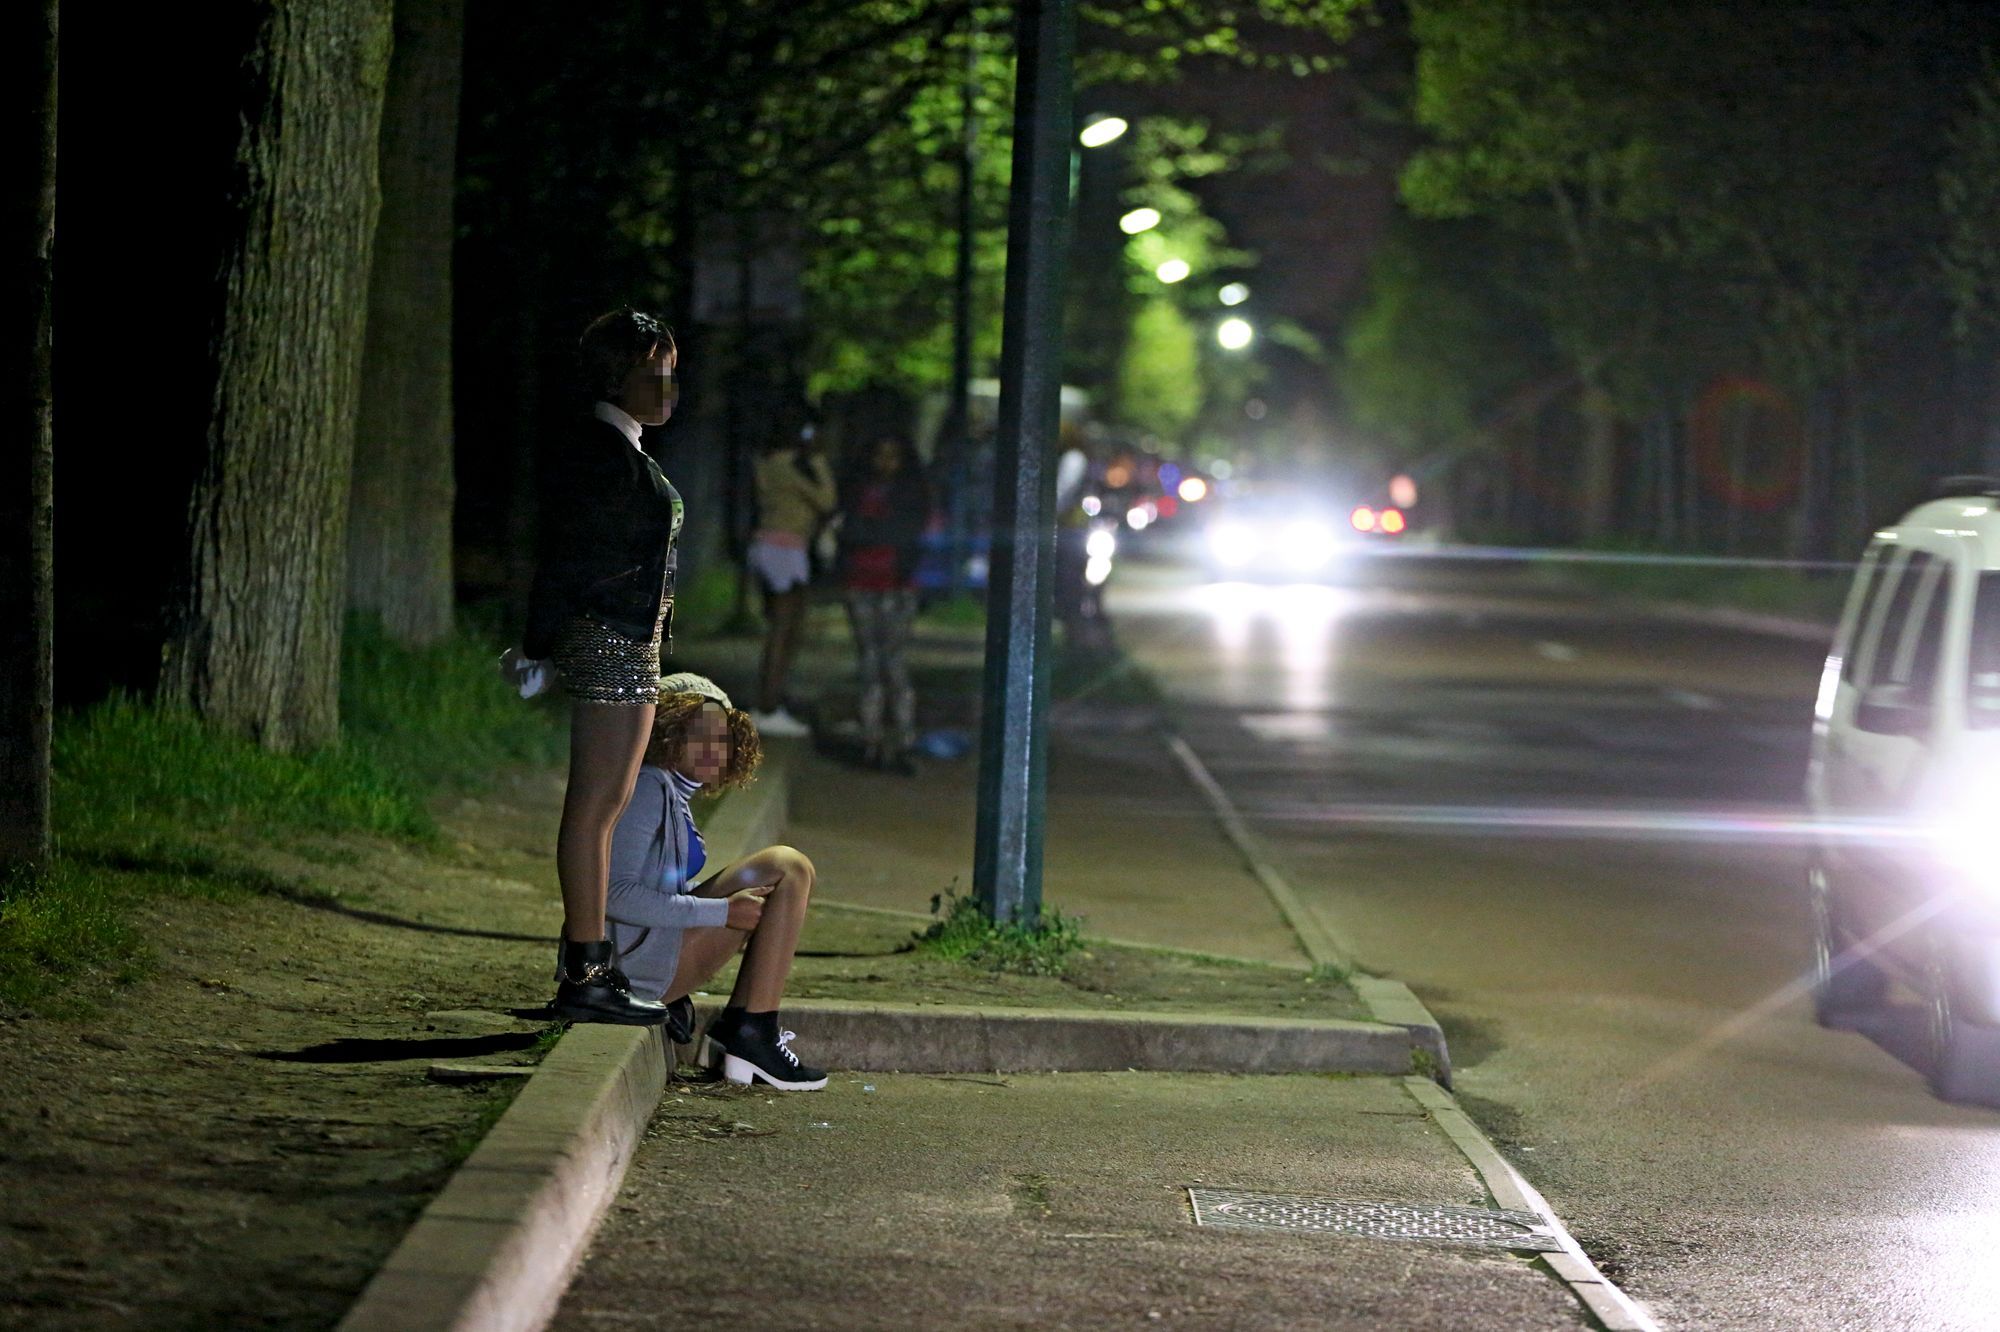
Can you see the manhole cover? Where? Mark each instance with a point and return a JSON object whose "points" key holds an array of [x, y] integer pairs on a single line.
{"points": [[1484, 1227]]}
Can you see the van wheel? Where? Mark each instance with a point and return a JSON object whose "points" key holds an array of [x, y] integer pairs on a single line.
{"points": [[1963, 1058], [1845, 985]]}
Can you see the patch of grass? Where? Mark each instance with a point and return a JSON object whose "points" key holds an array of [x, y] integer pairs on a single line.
{"points": [[147, 799], [1105, 677], [963, 611], [964, 931], [438, 716], [1808, 594], [705, 605]]}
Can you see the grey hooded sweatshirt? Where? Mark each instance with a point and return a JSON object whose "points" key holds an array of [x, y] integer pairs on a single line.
{"points": [[651, 900]]}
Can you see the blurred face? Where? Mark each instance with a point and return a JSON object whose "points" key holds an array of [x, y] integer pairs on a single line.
{"points": [[652, 388], [705, 756], [888, 457]]}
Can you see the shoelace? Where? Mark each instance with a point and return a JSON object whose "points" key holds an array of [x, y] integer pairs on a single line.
{"points": [[785, 1047]]}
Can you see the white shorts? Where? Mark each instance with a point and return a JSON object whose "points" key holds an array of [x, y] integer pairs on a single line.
{"points": [[780, 568]]}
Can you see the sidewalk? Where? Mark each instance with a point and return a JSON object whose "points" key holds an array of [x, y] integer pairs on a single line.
{"points": [[981, 1199], [1129, 844], [1040, 1201]]}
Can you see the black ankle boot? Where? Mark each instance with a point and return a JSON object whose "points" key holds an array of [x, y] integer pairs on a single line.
{"points": [[754, 1050], [591, 988]]}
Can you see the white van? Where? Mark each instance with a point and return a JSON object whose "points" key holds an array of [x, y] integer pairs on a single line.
{"points": [[1904, 787]]}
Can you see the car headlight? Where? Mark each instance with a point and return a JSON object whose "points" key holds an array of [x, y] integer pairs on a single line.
{"points": [[1234, 545], [1962, 836], [1308, 545]]}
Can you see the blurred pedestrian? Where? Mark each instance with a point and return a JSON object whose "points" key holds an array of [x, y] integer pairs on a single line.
{"points": [[602, 600], [795, 497], [671, 932], [885, 507]]}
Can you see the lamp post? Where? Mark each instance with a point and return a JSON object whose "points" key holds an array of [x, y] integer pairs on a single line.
{"points": [[1013, 741]]}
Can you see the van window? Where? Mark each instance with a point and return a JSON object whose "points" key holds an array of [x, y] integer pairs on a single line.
{"points": [[1876, 573], [1982, 677], [1923, 646], [1886, 628]]}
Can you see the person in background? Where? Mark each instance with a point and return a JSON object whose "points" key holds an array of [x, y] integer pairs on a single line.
{"points": [[795, 495], [672, 929], [885, 507], [601, 603]]}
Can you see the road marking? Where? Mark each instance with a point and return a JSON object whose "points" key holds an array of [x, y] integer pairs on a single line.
{"points": [[1555, 651], [1288, 726], [1689, 698], [1611, 1307]]}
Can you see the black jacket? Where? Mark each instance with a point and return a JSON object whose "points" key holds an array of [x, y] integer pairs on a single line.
{"points": [[606, 544]]}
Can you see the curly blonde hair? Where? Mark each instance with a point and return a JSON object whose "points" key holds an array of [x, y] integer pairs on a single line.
{"points": [[670, 728]]}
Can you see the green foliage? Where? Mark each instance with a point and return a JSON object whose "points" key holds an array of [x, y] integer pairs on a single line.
{"points": [[126, 766], [1436, 342], [145, 796], [1159, 379], [964, 931], [437, 716]]}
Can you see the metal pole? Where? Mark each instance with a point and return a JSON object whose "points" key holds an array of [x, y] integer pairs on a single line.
{"points": [[1013, 742]]}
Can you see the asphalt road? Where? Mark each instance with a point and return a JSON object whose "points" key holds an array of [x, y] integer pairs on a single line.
{"points": [[1567, 826]]}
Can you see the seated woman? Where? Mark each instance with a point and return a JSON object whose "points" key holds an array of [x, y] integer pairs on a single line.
{"points": [[671, 933]]}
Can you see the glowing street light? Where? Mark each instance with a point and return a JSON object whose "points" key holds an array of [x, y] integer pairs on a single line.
{"points": [[1101, 131], [1234, 334], [1138, 220], [1172, 271], [1234, 293]]}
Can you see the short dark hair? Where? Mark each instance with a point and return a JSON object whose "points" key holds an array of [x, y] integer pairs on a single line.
{"points": [[614, 343]]}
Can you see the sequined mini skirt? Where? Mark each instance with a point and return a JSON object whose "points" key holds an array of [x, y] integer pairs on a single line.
{"points": [[601, 665]]}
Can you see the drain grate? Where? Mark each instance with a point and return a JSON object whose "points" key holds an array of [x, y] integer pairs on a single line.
{"points": [[1482, 1227]]}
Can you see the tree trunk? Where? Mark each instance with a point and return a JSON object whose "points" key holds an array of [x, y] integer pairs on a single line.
{"points": [[27, 573], [254, 638], [1597, 500], [399, 515]]}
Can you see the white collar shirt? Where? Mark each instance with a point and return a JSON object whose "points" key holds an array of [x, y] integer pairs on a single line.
{"points": [[616, 416]]}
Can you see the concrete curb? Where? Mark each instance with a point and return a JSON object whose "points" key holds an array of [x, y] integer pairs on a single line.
{"points": [[1611, 1308], [1395, 1004], [496, 1248], [1388, 1001], [915, 1038]]}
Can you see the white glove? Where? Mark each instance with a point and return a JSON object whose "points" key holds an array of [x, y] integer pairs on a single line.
{"points": [[524, 673]]}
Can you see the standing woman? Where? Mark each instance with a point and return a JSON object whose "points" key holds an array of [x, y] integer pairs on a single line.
{"points": [[794, 497], [885, 507], [603, 596]]}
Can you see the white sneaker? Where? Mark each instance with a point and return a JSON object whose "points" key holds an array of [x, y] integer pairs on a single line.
{"points": [[779, 723]]}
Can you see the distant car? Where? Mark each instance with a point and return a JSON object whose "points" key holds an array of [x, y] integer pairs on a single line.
{"points": [[1268, 537], [1904, 786]]}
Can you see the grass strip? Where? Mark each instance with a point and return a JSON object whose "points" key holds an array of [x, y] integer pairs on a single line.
{"points": [[146, 800]]}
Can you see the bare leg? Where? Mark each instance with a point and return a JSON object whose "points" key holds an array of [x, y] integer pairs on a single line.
{"points": [[786, 611], [767, 959], [606, 743]]}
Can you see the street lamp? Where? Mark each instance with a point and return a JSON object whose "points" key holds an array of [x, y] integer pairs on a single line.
{"points": [[1101, 131], [1234, 334], [1235, 293], [1138, 220], [1172, 271]]}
